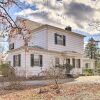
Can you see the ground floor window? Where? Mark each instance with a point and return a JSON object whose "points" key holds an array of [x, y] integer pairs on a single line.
{"points": [[36, 60], [73, 62], [78, 63], [68, 61], [57, 61], [87, 65], [17, 60]]}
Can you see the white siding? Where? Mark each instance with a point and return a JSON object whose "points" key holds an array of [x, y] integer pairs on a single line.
{"points": [[39, 38], [19, 70], [73, 42], [17, 40], [26, 70]]}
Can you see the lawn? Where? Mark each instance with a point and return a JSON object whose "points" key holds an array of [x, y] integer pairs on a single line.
{"points": [[68, 91]]}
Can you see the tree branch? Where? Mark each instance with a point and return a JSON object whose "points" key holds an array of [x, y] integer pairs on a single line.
{"points": [[8, 15]]}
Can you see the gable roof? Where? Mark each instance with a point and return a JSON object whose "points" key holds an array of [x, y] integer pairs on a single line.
{"points": [[31, 25], [34, 26], [56, 28]]}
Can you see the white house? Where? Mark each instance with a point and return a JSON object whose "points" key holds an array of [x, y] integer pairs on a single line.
{"points": [[47, 45]]}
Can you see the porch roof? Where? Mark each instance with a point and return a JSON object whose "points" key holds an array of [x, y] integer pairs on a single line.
{"points": [[63, 53]]}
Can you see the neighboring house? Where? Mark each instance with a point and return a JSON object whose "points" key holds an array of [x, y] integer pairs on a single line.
{"points": [[47, 46]]}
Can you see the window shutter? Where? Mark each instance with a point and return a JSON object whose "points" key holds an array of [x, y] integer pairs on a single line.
{"points": [[32, 60], [64, 40], [9, 47], [19, 58], [41, 60], [79, 62], [13, 46], [55, 38], [14, 61]]}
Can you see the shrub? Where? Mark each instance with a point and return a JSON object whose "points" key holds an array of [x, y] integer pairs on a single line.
{"points": [[6, 70], [88, 72]]}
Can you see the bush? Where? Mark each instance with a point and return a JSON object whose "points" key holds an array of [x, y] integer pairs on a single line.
{"points": [[6, 70], [88, 72]]}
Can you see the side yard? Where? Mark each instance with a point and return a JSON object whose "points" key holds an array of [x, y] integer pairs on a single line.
{"points": [[82, 88]]}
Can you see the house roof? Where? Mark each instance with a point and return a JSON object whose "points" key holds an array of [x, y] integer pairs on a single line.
{"points": [[60, 29], [29, 24], [34, 26]]}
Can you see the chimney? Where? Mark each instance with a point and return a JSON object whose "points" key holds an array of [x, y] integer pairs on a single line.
{"points": [[68, 28]]}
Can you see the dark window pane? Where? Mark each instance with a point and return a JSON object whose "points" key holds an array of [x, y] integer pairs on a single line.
{"points": [[36, 60], [11, 46], [73, 62], [32, 59], [64, 40], [14, 60], [19, 60], [60, 39], [79, 65], [68, 61], [55, 38]]}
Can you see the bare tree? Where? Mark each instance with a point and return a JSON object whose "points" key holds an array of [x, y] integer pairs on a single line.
{"points": [[7, 24]]}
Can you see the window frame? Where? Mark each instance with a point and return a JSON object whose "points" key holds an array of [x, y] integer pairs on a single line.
{"points": [[11, 46], [60, 39], [17, 60], [33, 60]]}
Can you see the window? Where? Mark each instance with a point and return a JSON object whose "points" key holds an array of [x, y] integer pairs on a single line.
{"points": [[11, 46], [73, 62], [60, 39], [87, 65], [68, 61], [78, 63], [59, 0], [57, 61], [36, 60], [17, 60]]}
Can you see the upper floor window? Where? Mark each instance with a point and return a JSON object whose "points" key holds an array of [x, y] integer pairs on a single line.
{"points": [[60, 39], [17, 60], [60, 0], [11, 46], [36, 60]]}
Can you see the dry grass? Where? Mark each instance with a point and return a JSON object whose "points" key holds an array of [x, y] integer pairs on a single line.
{"points": [[67, 92]]}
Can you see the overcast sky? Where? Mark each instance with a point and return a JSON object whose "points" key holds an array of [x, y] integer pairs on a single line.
{"points": [[79, 14]]}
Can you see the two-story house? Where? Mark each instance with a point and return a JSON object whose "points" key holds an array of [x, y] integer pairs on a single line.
{"points": [[47, 45]]}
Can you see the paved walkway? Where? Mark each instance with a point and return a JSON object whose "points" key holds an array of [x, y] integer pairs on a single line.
{"points": [[82, 79], [88, 79], [37, 82]]}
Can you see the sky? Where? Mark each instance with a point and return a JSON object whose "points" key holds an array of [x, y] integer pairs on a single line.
{"points": [[81, 15]]}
